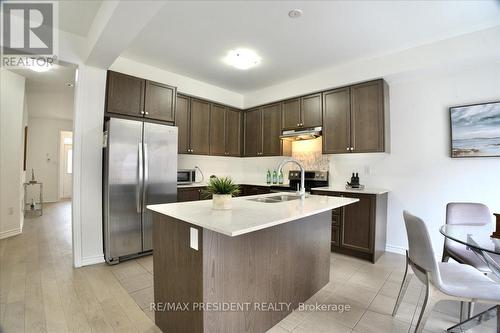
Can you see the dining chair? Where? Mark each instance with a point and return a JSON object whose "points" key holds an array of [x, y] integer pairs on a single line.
{"points": [[442, 280], [465, 213]]}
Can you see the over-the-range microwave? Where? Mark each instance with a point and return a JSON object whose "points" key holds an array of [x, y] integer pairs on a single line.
{"points": [[186, 176]]}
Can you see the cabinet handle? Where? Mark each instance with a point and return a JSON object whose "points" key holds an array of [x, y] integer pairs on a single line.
{"points": [[348, 148], [142, 112], [146, 113]]}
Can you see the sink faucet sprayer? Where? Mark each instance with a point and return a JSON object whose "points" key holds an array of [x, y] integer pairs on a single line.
{"points": [[302, 190]]}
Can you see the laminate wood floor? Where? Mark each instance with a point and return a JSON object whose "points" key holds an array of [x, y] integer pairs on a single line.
{"points": [[40, 291]]}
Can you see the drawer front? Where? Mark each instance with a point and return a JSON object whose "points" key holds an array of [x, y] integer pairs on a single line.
{"points": [[335, 235], [336, 219]]}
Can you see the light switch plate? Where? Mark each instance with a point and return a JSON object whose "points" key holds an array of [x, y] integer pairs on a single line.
{"points": [[193, 237]]}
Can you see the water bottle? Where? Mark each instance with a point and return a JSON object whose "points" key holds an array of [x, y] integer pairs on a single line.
{"points": [[268, 177], [275, 177], [280, 178]]}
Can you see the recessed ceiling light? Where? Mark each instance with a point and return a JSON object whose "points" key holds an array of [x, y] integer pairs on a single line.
{"points": [[40, 68], [295, 13], [242, 58]]}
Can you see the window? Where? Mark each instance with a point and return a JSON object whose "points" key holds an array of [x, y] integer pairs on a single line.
{"points": [[69, 161]]}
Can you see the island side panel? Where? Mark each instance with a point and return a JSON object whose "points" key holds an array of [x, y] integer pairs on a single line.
{"points": [[178, 275], [287, 263]]}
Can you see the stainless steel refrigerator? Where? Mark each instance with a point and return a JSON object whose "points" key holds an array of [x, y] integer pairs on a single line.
{"points": [[140, 168]]}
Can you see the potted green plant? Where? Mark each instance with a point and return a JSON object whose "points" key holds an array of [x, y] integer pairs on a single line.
{"points": [[222, 190]]}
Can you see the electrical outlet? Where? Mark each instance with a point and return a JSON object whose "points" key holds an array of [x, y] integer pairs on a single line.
{"points": [[11, 211]]}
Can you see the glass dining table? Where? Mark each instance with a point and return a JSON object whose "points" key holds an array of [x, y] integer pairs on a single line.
{"points": [[478, 240]]}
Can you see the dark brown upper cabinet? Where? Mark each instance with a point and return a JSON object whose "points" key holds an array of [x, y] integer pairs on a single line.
{"points": [[253, 132], [159, 102], [199, 127], [233, 132], [353, 118], [336, 121], [217, 130], [311, 111], [225, 134], [271, 126], [302, 112], [182, 120], [367, 117], [291, 113], [193, 122], [131, 96], [125, 94], [262, 128]]}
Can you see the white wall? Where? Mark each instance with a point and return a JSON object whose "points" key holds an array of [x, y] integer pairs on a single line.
{"points": [[87, 165], [184, 84], [419, 172], [50, 100], [248, 169], [44, 154], [11, 152]]}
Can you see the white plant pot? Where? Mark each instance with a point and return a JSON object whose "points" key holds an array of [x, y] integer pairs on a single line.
{"points": [[221, 201]]}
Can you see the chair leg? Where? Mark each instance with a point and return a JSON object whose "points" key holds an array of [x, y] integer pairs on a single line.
{"points": [[402, 290], [429, 302], [445, 257], [470, 310]]}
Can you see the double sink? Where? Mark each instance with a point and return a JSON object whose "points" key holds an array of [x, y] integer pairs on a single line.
{"points": [[276, 198]]}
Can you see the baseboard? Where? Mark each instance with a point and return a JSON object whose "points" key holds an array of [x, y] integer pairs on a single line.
{"points": [[395, 249], [10, 233], [402, 250], [86, 261]]}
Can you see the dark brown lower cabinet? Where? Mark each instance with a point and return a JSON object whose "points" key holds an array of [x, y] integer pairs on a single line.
{"points": [[191, 194], [196, 193], [253, 190], [359, 229]]}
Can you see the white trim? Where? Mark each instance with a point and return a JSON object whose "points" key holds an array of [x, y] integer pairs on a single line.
{"points": [[77, 169], [86, 261], [402, 251], [11, 232], [395, 249]]}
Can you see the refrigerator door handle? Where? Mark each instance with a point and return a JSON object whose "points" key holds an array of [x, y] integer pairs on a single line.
{"points": [[146, 176], [139, 178]]}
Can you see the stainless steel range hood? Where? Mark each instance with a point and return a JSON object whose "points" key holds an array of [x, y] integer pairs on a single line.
{"points": [[301, 134]]}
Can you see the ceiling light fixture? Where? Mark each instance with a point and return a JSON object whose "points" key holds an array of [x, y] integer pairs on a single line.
{"points": [[242, 58], [40, 68], [295, 13]]}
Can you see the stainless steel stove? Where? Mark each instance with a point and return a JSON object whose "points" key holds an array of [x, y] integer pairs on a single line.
{"points": [[313, 179]]}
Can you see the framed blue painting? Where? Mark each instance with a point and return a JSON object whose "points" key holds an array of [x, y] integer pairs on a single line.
{"points": [[475, 130]]}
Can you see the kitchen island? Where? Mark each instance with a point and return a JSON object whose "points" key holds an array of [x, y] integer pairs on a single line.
{"points": [[240, 270]]}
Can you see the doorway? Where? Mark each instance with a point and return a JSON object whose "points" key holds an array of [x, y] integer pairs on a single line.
{"points": [[66, 165]]}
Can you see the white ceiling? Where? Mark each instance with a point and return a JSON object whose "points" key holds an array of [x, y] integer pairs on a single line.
{"points": [[47, 93], [76, 16], [191, 37]]}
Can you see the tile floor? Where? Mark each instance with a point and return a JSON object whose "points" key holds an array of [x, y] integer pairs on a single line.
{"points": [[41, 292]]}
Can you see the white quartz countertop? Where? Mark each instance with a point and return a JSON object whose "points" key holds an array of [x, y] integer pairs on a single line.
{"points": [[247, 216], [366, 190]]}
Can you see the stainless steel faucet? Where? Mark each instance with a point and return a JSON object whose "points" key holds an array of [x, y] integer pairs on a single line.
{"points": [[302, 190]]}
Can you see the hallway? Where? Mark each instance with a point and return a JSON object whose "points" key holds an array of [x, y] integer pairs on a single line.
{"points": [[40, 291]]}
